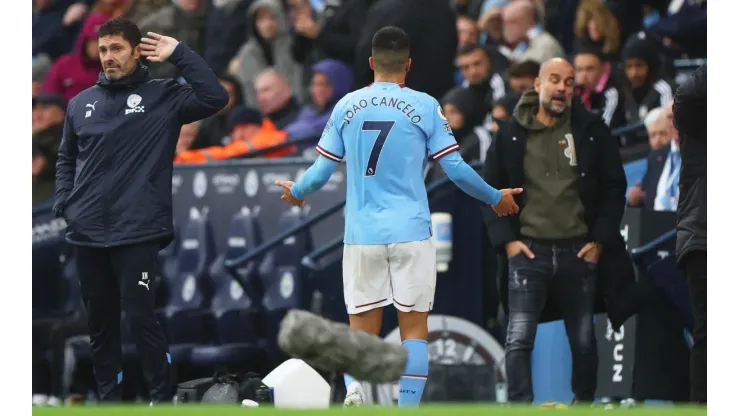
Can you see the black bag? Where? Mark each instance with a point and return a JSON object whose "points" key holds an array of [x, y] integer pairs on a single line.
{"points": [[224, 388]]}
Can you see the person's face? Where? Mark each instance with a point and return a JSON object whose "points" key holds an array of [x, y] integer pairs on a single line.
{"points": [[515, 27], [191, 6], [36, 88], [588, 70], [475, 66], [636, 70], [454, 116], [321, 90], [521, 84], [117, 56], [188, 132], [500, 113], [467, 32], [269, 94], [244, 132], [46, 115], [659, 133], [266, 23], [594, 32], [91, 48], [668, 111], [555, 88]]}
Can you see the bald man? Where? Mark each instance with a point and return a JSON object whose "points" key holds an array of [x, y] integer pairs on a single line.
{"points": [[275, 98], [567, 232], [531, 42]]}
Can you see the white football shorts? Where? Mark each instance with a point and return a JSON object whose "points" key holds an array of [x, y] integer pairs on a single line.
{"points": [[404, 274]]}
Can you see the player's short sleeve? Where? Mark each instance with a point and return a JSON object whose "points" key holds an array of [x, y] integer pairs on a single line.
{"points": [[331, 145], [440, 140]]}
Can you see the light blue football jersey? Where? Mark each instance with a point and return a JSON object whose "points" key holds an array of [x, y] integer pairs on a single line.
{"points": [[385, 132]]}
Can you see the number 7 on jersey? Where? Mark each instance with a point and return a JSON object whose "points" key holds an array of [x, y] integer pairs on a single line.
{"points": [[384, 129]]}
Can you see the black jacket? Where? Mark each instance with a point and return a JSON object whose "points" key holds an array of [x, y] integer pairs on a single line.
{"points": [[690, 119], [114, 168], [431, 27], [602, 192]]}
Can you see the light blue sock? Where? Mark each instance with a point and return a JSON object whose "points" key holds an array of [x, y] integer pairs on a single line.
{"points": [[348, 379], [414, 377]]}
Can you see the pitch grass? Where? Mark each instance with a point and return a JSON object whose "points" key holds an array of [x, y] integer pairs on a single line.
{"points": [[431, 410]]}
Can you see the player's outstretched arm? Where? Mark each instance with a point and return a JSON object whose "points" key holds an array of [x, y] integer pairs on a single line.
{"points": [[472, 184], [314, 179]]}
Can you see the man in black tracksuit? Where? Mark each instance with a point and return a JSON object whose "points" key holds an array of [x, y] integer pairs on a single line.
{"points": [[114, 178], [690, 119], [564, 248]]}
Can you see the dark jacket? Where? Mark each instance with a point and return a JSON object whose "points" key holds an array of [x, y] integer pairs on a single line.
{"points": [[609, 103], [690, 119], [655, 162], [431, 27], [114, 168], [602, 188]]}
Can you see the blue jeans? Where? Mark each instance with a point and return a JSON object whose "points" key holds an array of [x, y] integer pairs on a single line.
{"points": [[555, 272]]}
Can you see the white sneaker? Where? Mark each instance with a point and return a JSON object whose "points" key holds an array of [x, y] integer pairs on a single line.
{"points": [[39, 399], [355, 395], [54, 402]]}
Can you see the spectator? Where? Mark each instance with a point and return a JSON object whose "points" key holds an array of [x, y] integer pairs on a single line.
{"points": [[430, 25], [55, 26], [44, 171], [644, 192], [475, 64], [74, 72], [40, 69], [331, 81], [645, 90], [183, 20], [268, 47], [214, 130], [597, 87], [188, 133], [597, 28], [503, 110], [138, 10], [467, 32], [465, 119], [522, 76], [48, 115], [225, 32], [333, 34], [275, 98], [491, 26], [529, 40], [113, 8], [249, 132]]}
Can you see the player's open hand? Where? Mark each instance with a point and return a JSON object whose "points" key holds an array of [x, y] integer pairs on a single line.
{"points": [[157, 48], [507, 206], [287, 196]]}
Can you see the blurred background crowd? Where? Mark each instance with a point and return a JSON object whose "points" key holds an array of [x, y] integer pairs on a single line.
{"points": [[286, 62]]}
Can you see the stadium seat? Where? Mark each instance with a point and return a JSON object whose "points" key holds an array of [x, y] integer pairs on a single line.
{"points": [[280, 274], [186, 317], [236, 317]]}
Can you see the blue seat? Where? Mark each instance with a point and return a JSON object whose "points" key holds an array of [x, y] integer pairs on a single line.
{"points": [[280, 274], [186, 317], [671, 282], [236, 318]]}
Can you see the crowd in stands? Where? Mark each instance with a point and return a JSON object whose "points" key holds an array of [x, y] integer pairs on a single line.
{"points": [[285, 63]]}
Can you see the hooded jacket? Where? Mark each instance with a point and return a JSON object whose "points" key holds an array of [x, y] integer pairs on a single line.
{"points": [[656, 92], [259, 54], [312, 120], [75, 71]]}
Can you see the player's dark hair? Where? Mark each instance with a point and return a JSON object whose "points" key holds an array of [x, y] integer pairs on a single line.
{"points": [[391, 50], [582, 48], [473, 47], [125, 28], [526, 69]]}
